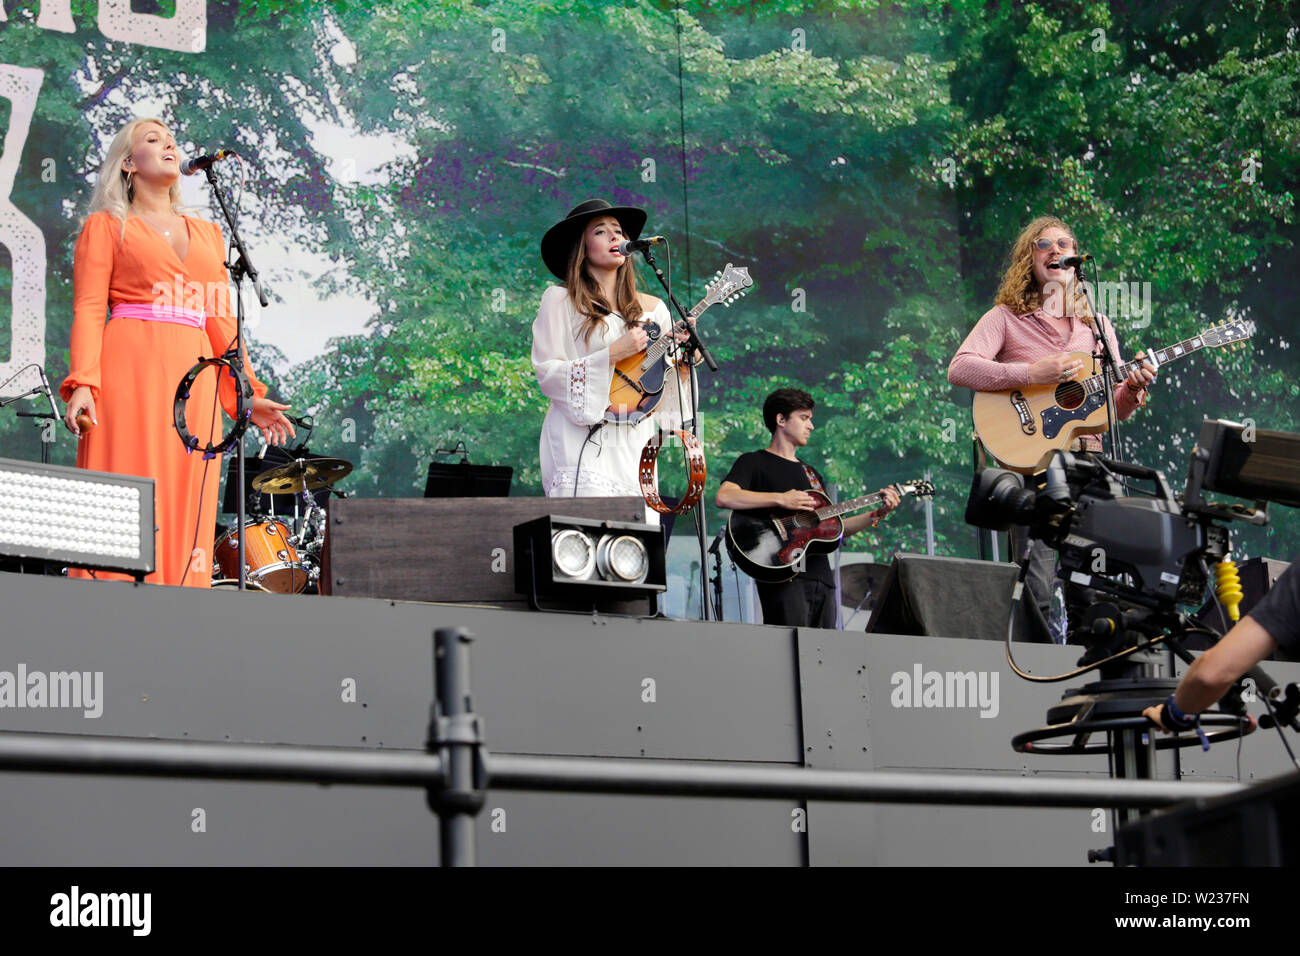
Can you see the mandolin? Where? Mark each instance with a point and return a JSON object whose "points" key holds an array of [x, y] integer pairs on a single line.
{"points": [[638, 381]]}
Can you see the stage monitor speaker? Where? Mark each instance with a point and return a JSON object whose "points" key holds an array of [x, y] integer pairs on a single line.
{"points": [[954, 597]]}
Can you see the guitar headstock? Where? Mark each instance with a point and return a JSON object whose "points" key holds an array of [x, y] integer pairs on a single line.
{"points": [[728, 285], [919, 487], [1228, 332]]}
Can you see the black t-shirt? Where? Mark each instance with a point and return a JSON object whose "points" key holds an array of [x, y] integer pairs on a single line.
{"points": [[1279, 611], [765, 472]]}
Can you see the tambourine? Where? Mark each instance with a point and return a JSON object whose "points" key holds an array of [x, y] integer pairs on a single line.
{"points": [[695, 468], [243, 411]]}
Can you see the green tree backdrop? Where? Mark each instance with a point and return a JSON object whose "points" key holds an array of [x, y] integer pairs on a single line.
{"points": [[870, 162]]}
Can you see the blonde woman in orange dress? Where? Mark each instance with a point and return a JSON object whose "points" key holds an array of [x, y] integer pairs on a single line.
{"points": [[149, 298]]}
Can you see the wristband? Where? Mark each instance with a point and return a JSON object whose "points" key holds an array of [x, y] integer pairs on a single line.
{"points": [[1175, 719]]}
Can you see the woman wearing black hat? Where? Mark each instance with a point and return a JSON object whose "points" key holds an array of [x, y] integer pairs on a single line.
{"points": [[583, 328]]}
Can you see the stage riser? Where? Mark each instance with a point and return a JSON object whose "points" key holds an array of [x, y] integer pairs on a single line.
{"points": [[253, 667]]}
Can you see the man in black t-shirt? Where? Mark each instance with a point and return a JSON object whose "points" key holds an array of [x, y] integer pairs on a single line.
{"points": [[775, 478], [1274, 621]]}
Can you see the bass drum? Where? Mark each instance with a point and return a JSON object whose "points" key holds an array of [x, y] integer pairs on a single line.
{"points": [[271, 562], [232, 584]]}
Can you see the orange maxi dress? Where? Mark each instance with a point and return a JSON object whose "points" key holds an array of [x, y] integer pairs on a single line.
{"points": [[132, 367]]}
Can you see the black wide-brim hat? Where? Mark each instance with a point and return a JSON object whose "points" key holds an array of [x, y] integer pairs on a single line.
{"points": [[559, 240]]}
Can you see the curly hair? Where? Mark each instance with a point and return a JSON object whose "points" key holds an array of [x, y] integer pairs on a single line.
{"points": [[1019, 289]]}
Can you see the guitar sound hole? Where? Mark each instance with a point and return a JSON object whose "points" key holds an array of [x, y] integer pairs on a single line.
{"points": [[1070, 395]]}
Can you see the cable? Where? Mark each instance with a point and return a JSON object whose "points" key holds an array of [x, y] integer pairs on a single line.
{"points": [[198, 522], [577, 473]]}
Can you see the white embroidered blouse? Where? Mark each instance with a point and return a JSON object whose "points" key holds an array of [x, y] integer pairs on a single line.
{"points": [[576, 375]]}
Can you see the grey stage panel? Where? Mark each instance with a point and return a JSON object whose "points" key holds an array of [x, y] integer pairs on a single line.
{"points": [[104, 821], [587, 829], [987, 836], [956, 735], [851, 723], [115, 821], [257, 667]]}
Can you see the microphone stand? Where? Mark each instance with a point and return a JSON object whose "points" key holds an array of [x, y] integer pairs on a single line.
{"points": [[715, 549], [240, 266], [693, 344], [1109, 367], [51, 415]]}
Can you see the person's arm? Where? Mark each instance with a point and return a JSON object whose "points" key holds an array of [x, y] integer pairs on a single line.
{"points": [[92, 271], [578, 387], [677, 380], [1130, 394], [976, 366], [872, 518], [731, 495], [1215, 671], [267, 415]]}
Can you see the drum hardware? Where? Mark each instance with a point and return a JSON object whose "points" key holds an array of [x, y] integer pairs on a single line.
{"points": [[282, 558]]}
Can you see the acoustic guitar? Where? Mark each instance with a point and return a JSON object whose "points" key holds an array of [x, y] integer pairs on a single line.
{"points": [[1021, 425], [638, 382], [772, 544]]}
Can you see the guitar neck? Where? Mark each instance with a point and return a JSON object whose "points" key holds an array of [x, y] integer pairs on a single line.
{"points": [[655, 351], [855, 504], [1162, 357]]}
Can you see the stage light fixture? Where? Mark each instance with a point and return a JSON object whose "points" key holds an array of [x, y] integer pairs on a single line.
{"points": [[573, 554], [580, 563], [70, 517], [622, 557]]}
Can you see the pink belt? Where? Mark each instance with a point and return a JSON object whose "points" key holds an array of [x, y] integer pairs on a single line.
{"points": [[160, 313]]}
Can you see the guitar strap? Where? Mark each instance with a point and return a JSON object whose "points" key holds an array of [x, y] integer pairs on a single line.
{"points": [[813, 480]]}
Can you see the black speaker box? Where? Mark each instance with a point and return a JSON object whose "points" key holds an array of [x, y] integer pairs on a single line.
{"points": [[954, 597]]}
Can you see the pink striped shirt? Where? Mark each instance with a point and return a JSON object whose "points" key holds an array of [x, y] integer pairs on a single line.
{"points": [[998, 352]]}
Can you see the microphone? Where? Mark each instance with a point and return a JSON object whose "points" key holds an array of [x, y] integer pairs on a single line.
{"points": [[639, 245], [717, 540], [192, 166], [49, 394], [1068, 262]]}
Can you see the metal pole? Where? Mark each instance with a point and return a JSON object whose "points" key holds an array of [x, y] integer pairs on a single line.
{"points": [[456, 734], [139, 756], [929, 520]]}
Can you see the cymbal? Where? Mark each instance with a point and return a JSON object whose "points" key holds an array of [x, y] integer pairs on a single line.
{"points": [[302, 475]]}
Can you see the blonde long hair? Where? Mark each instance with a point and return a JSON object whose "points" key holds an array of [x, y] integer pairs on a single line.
{"points": [[1019, 290], [113, 192], [587, 296]]}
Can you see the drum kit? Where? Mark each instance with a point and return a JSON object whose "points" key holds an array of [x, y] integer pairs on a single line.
{"points": [[282, 555]]}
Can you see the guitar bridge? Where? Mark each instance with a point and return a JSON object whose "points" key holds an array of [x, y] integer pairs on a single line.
{"points": [[1021, 406], [780, 529]]}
